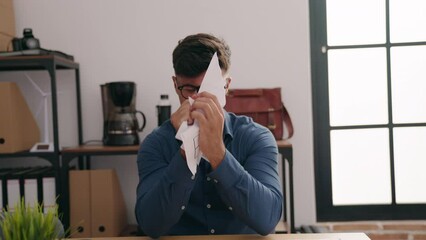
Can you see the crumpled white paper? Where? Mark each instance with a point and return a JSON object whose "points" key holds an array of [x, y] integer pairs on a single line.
{"points": [[213, 83]]}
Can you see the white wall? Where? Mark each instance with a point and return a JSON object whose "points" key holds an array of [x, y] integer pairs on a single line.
{"points": [[133, 40]]}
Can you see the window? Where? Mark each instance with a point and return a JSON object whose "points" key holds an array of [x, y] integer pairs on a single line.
{"points": [[369, 108]]}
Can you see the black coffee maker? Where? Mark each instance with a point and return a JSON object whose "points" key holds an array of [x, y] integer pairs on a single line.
{"points": [[121, 126]]}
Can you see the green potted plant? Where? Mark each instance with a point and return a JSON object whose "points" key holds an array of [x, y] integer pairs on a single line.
{"points": [[26, 222]]}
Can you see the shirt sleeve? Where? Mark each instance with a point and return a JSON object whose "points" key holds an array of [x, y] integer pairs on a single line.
{"points": [[251, 186], [164, 188]]}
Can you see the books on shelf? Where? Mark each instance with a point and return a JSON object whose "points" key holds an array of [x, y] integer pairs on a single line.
{"points": [[35, 185]]}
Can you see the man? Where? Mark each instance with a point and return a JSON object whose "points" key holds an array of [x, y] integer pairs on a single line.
{"points": [[237, 191]]}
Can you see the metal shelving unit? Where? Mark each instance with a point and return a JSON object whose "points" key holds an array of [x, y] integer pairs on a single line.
{"points": [[51, 64]]}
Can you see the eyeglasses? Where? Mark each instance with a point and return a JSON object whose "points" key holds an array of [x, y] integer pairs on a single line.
{"points": [[188, 90]]}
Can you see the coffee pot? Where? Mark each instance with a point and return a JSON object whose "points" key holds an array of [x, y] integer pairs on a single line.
{"points": [[121, 125]]}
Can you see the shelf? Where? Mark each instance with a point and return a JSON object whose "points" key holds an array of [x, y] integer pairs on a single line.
{"points": [[28, 154], [49, 63], [19, 63], [100, 150]]}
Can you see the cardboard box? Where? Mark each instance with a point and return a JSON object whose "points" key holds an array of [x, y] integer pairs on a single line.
{"points": [[7, 24], [109, 217], [5, 43], [18, 129], [80, 214], [96, 200]]}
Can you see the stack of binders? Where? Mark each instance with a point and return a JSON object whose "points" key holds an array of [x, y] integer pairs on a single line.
{"points": [[35, 185], [97, 207]]}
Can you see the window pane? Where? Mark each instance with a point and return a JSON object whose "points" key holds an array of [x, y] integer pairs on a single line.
{"points": [[410, 164], [408, 84], [353, 22], [357, 86], [407, 20], [360, 166]]}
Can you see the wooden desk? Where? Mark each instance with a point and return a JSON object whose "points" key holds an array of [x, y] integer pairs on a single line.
{"points": [[316, 236]]}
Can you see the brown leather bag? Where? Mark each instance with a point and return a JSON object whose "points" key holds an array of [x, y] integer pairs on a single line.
{"points": [[264, 105]]}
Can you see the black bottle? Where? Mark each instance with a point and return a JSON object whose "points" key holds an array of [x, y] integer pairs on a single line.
{"points": [[163, 109]]}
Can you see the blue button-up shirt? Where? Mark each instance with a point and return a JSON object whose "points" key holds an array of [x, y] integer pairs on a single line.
{"points": [[241, 196]]}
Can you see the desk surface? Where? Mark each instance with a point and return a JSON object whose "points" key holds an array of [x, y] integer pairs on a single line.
{"points": [[316, 236], [100, 148], [284, 144]]}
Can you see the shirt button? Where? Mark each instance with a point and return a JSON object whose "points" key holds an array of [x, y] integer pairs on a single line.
{"points": [[208, 178], [212, 230], [193, 177], [230, 208], [183, 207], [208, 206]]}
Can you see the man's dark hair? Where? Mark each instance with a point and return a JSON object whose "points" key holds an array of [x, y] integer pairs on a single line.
{"points": [[192, 55]]}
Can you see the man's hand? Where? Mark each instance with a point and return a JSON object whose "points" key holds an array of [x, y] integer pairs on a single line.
{"points": [[181, 115], [209, 114]]}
